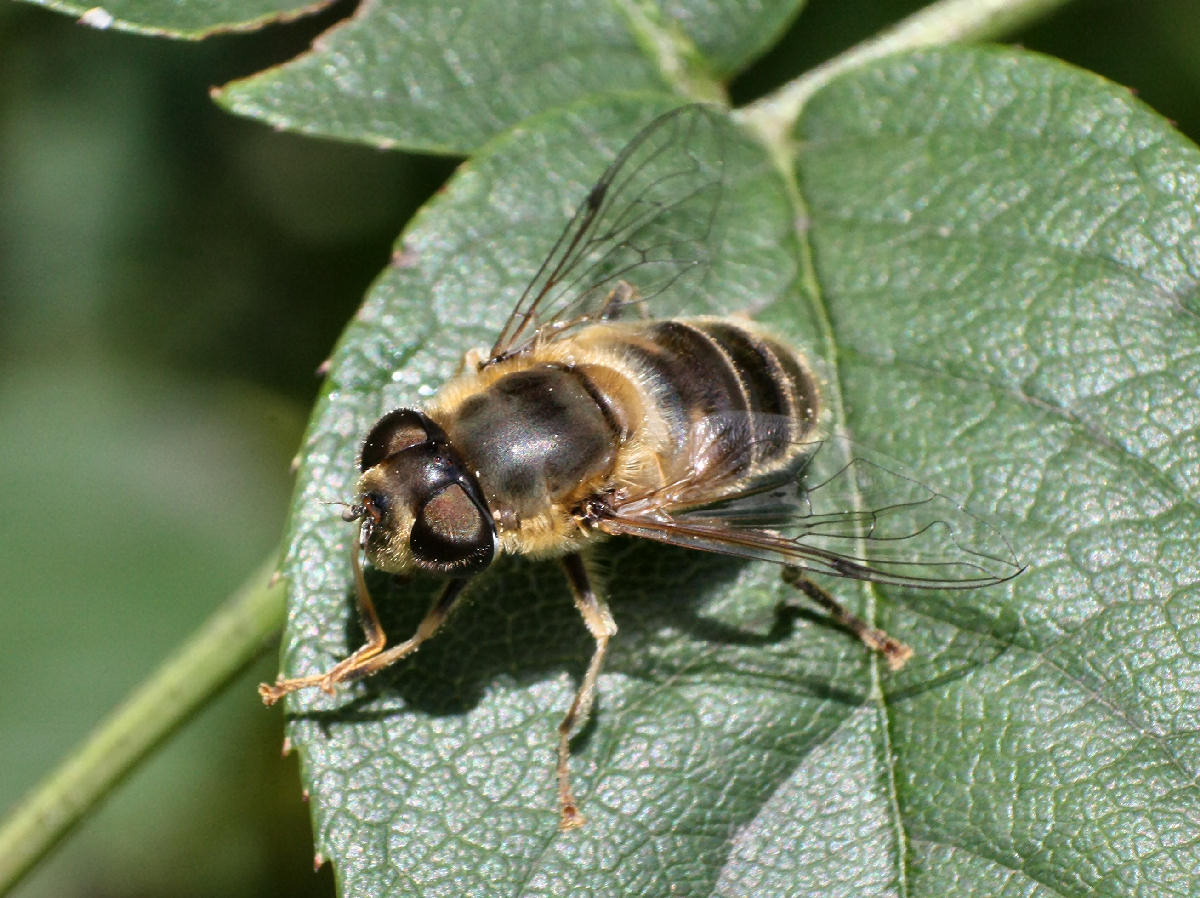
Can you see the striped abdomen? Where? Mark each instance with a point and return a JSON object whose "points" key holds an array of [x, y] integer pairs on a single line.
{"points": [[726, 401]]}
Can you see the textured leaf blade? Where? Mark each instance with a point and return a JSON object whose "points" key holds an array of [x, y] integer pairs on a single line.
{"points": [[1004, 236], [1042, 721]]}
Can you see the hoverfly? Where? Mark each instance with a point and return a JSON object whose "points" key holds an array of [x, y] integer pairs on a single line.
{"points": [[590, 418]]}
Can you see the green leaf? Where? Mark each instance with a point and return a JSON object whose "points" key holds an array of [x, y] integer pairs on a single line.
{"points": [[992, 259], [1008, 250], [193, 19], [439, 78]]}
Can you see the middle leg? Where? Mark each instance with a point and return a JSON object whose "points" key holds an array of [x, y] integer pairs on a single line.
{"points": [[600, 624]]}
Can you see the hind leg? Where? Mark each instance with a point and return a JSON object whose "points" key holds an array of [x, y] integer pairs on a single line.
{"points": [[895, 651]]}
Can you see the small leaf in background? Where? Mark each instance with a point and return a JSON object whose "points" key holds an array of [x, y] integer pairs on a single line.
{"points": [[440, 78], [193, 19], [994, 268]]}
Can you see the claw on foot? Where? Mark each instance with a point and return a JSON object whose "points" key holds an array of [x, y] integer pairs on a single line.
{"points": [[270, 693], [570, 818]]}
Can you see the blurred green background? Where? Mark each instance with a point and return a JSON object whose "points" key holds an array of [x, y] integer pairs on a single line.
{"points": [[170, 279]]}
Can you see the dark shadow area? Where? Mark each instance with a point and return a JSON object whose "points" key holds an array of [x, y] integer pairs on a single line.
{"points": [[518, 621]]}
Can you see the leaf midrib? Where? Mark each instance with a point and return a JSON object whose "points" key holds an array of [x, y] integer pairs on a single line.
{"points": [[785, 157]]}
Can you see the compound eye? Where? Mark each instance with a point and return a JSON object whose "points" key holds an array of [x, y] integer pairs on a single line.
{"points": [[452, 535], [396, 430]]}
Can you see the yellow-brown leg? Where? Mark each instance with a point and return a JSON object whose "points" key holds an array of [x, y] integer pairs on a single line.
{"points": [[892, 649], [600, 624], [370, 658]]}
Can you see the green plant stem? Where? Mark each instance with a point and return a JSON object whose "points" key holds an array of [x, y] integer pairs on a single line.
{"points": [[235, 635], [944, 22]]}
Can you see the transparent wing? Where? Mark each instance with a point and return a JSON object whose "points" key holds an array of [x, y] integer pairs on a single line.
{"points": [[845, 512], [647, 223]]}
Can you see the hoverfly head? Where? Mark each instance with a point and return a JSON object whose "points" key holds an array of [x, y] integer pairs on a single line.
{"points": [[421, 508]]}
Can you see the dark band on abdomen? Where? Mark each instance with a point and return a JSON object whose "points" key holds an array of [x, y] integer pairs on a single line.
{"points": [[749, 395], [691, 376]]}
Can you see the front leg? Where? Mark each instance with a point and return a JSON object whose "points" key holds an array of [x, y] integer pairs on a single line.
{"points": [[602, 627], [371, 658]]}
